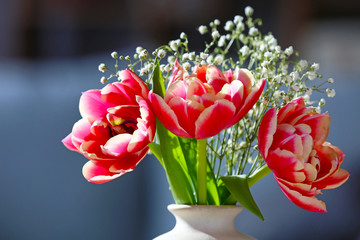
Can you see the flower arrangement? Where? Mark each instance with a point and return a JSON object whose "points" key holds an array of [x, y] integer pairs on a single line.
{"points": [[218, 121]]}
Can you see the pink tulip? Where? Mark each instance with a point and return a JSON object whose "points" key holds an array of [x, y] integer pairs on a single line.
{"points": [[292, 142], [117, 125], [205, 102]]}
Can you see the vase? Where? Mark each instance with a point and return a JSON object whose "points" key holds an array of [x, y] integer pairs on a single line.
{"points": [[204, 222]]}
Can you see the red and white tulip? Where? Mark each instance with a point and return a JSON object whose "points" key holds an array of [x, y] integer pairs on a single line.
{"points": [[201, 104], [293, 144], [116, 127]]}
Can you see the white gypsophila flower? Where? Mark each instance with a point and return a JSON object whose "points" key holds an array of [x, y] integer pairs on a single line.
{"points": [[203, 62], [210, 59], [228, 36], [330, 92], [306, 98], [114, 55], [249, 11], [315, 66], [217, 22], [174, 44], [185, 56], [171, 59], [268, 54], [144, 70], [167, 68], [330, 80], [295, 87], [215, 34], [244, 50], [264, 70], [262, 47], [322, 102], [203, 55], [295, 75], [288, 51], [318, 110], [311, 75], [277, 49], [127, 58], [276, 94], [284, 69], [192, 55], [222, 41], [218, 59], [103, 80], [238, 19], [308, 91], [253, 31], [161, 53], [229, 25], [277, 79], [162, 67], [102, 67], [143, 53], [303, 64], [183, 35], [186, 65], [139, 49], [265, 64], [203, 29]]}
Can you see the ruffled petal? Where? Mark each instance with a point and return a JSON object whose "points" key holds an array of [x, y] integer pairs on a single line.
{"points": [[308, 203], [91, 105], [117, 145], [266, 132], [166, 115], [319, 124], [68, 143], [97, 173], [214, 119], [251, 99]]}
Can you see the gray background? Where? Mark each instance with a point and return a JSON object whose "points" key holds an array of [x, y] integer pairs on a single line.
{"points": [[49, 53]]}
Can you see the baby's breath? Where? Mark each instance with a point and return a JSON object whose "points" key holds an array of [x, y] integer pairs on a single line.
{"points": [[238, 44]]}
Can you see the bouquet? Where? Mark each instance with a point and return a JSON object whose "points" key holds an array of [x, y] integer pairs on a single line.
{"points": [[218, 120]]}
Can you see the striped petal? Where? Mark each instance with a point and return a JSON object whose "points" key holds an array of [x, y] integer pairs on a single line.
{"points": [[213, 119], [266, 132], [166, 115], [308, 203], [91, 105]]}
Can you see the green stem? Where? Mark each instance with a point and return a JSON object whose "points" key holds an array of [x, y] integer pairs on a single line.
{"points": [[201, 160], [259, 174]]}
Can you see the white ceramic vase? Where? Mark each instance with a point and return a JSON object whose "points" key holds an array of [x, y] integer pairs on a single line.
{"points": [[204, 222]]}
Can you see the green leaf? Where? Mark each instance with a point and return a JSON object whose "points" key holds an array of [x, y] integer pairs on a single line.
{"points": [[213, 197], [158, 82], [155, 149], [175, 166], [189, 149], [239, 188]]}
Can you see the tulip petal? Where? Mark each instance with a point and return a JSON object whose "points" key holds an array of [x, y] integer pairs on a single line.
{"points": [[167, 116], [68, 143], [308, 203], [319, 124], [333, 181], [214, 119], [132, 80], [266, 132], [91, 105], [97, 173], [290, 108], [177, 89], [117, 145], [251, 99], [285, 165]]}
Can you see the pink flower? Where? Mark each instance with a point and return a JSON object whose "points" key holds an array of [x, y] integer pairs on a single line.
{"points": [[292, 142], [117, 125], [205, 102]]}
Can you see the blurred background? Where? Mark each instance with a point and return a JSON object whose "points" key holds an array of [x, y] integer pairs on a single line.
{"points": [[49, 53]]}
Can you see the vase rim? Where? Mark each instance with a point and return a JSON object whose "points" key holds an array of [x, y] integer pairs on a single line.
{"points": [[185, 206]]}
